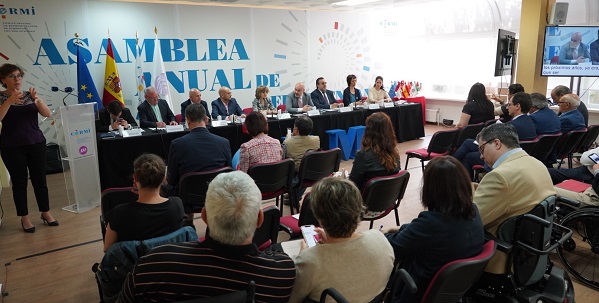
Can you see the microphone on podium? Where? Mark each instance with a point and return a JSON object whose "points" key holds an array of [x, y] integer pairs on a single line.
{"points": [[68, 90]]}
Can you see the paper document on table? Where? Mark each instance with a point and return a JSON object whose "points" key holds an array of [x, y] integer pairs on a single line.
{"points": [[296, 216]]}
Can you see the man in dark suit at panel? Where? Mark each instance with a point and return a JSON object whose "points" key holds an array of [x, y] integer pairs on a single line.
{"points": [[113, 115], [322, 97], [570, 118], [561, 90], [544, 119], [155, 112], [225, 105], [195, 97], [197, 151], [595, 50]]}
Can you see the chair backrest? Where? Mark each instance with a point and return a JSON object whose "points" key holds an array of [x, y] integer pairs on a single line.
{"points": [[384, 193], [533, 229], [240, 296], [333, 293], [273, 178], [529, 145], [544, 146], [247, 110], [489, 122], [318, 164], [589, 138], [569, 142], [179, 118], [453, 279], [112, 197], [442, 141], [268, 232], [193, 187], [467, 132], [282, 107], [306, 216]]}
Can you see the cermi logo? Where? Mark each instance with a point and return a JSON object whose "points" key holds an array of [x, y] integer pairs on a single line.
{"points": [[4, 11]]}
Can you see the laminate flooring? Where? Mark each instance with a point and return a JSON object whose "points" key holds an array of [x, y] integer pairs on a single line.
{"points": [[54, 263]]}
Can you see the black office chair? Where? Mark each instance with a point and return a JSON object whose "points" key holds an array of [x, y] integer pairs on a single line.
{"points": [[291, 225], [467, 132], [440, 145], [383, 194], [567, 145], [112, 197], [273, 179], [267, 233], [193, 188]]}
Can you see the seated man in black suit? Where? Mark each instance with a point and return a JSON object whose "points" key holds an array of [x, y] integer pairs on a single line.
{"points": [[155, 112], [322, 97], [225, 105], [595, 50], [113, 115], [195, 152], [502, 110], [195, 97]]}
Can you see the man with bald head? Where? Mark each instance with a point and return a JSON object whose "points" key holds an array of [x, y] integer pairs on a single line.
{"points": [[574, 51], [225, 105], [195, 97], [298, 101], [561, 90], [155, 112], [570, 118]]}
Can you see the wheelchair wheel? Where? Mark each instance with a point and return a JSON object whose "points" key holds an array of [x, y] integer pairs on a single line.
{"points": [[580, 255]]}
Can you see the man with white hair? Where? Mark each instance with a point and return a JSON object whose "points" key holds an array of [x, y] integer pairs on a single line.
{"points": [[224, 262], [154, 112], [574, 51]]}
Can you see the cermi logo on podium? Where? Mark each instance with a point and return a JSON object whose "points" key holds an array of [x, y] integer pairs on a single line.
{"points": [[4, 11]]}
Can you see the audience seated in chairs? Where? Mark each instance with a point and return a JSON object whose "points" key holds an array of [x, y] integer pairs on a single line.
{"points": [[357, 264], [152, 215], [478, 108], [262, 148], [450, 228], [378, 155], [515, 185], [584, 173], [543, 117], [224, 262]]}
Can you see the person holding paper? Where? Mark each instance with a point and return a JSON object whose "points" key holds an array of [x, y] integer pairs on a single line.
{"points": [[377, 93], [155, 112], [584, 173], [113, 116], [574, 51], [298, 101], [322, 97], [23, 145]]}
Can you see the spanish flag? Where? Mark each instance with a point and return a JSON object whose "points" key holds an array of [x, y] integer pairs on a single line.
{"points": [[112, 82]]}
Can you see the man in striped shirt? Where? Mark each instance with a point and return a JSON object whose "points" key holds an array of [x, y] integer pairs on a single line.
{"points": [[224, 262]]}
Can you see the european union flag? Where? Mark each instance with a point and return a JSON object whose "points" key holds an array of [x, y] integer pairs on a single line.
{"points": [[85, 86]]}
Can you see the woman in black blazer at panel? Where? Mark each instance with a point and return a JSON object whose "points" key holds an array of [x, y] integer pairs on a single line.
{"points": [[351, 94]]}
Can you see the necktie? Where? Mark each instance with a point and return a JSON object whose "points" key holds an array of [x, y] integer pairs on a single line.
{"points": [[299, 102], [325, 97], [574, 53]]}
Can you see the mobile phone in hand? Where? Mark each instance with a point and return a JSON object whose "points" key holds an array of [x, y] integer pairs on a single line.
{"points": [[594, 157], [310, 236]]}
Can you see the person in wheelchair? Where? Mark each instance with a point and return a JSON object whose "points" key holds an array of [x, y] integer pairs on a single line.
{"points": [[517, 183], [450, 228]]}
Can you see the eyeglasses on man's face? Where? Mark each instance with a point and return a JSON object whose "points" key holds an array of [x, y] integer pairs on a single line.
{"points": [[481, 148]]}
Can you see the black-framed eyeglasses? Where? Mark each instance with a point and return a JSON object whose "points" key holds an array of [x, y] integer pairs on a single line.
{"points": [[13, 76], [481, 148]]}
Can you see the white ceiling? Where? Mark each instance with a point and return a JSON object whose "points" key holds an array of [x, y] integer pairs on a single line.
{"points": [[322, 5]]}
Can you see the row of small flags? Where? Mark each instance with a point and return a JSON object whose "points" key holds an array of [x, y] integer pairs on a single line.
{"points": [[112, 83], [404, 89]]}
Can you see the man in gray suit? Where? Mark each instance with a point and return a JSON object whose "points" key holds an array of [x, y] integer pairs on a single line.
{"points": [[298, 101]]}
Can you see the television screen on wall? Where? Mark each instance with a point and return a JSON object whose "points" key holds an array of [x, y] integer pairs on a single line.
{"points": [[571, 51]]}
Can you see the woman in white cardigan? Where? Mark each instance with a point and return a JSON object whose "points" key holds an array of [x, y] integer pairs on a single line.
{"points": [[377, 93]]}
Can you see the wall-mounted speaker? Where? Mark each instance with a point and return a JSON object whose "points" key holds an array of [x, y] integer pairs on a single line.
{"points": [[559, 12]]}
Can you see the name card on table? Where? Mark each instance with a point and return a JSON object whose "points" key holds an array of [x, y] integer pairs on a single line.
{"points": [[219, 123], [174, 128], [132, 133], [345, 109], [388, 104], [314, 112], [284, 116], [374, 106]]}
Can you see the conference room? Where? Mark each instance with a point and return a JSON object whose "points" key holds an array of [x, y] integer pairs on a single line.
{"points": [[444, 46]]}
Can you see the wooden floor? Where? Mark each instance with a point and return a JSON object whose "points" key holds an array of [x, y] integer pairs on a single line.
{"points": [[54, 263]]}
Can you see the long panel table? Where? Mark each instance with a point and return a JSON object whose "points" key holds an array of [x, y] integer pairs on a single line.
{"points": [[116, 155]]}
